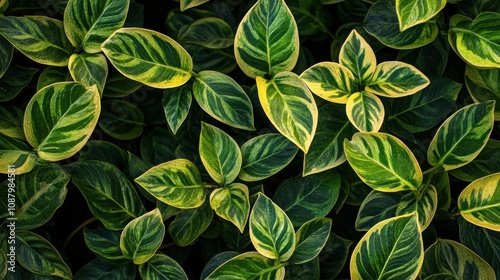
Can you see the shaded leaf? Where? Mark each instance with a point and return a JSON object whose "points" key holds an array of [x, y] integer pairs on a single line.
{"points": [[189, 224], [311, 237], [162, 267], [121, 119], [176, 104], [249, 265]]}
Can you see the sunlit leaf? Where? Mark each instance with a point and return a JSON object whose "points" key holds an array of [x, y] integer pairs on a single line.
{"points": [[414, 12], [358, 57], [176, 104], [16, 153], [365, 111], [89, 69], [186, 4], [483, 85], [249, 265], [231, 203], [425, 206]]}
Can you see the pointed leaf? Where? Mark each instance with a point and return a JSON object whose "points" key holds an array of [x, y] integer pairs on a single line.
{"points": [[142, 236], [186, 4], [425, 206], [462, 136], [89, 69], [89, 23], [223, 99], [121, 119], [105, 244], [177, 183], [249, 265], [358, 57], [483, 85], [267, 39], [40, 38], [210, 32], [383, 162], [333, 256], [158, 146], [104, 151], [365, 111], [311, 238], [232, 203], [162, 267], [290, 107], [16, 153], [60, 118], [176, 104], [265, 155], [414, 12], [149, 57], [479, 202], [271, 231], [189, 224], [392, 249], [377, 207]]}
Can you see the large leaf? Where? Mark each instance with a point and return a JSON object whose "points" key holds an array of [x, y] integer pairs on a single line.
{"points": [[210, 32], [383, 162], [110, 196], [177, 183], [121, 120], [358, 56], [40, 38], [224, 99], [414, 12], [462, 136], [450, 258], [483, 85], [89, 23], [162, 267], [89, 69], [476, 41], [310, 240], [232, 203], [267, 39], [306, 198], [265, 155], [176, 104], [486, 163], [220, 154], [37, 255], [271, 231], [290, 106], [149, 57], [249, 265], [16, 153], [186, 4], [99, 270], [142, 236], [60, 118], [11, 122], [189, 224], [15, 79], [365, 111], [105, 245], [479, 202], [392, 249], [396, 79], [330, 81]]}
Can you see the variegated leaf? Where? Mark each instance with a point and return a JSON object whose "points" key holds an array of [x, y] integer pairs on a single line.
{"points": [[11, 122], [176, 104], [51, 75], [311, 237], [16, 153], [414, 12], [358, 57], [483, 85], [121, 119], [425, 206], [40, 38], [290, 107], [232, 203], [479, 202], [189, 224], [118, 85], [487, 162], [14, 80], [210, 32], [383, 162], [149, 57], [377, 207], [187, 4], [6, 53], [161, 266], [249, 265], [89, 23], [105, 245], [365, 111], [60, 118], [431, 59], [267, 39], [89, 69]]}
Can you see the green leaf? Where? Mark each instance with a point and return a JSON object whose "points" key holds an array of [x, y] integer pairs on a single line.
{"points": [[109, 195], [486, 163], [377, 207], [383, 162], [462, 136], [60, 118], [121, 119], [51, 75], [223, 99], [483, 85], [232, 203], [17, 153], [220, 154], [333, 256], [249, 265], [271, 231], [40, 38], [176, 103], [210, 32], [290, 107], [15, 79], [118, 85], [365, 111], [383, 13], [158, 146], [310, 240], [330, 81], [189, 224], [149, 57], [187, 4], [267, 39], [431, 59], [142, 236], [265, 155], [89, 24], [415, 12], [392, 249], [37, 255], [473, 8], [307, 198], [177, 183], [104, 151], [308, 270], [11, 122], [476, 41], [39, 194], [396, 79], [357, 55], [162, 267], [479, 202], [105, 245], [89, 69], [327, 150], [425, 206], [448, 257], [6, 53], [98, 270], [208, 59]]}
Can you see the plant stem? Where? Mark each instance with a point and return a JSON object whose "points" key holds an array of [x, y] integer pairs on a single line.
{"points": [[76, 230]]}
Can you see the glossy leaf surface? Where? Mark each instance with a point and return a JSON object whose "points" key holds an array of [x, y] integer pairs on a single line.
{"points": [[365, 111], [232, 203], [411, 12], [249, 265]]}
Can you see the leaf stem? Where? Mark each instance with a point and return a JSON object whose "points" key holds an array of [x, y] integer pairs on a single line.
{"points": [[76, 230]]}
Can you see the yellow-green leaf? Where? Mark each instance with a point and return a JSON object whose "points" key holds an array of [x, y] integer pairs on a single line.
{"points": [[365, 111], [11, 122], [358, 56], [186, 4], [89, 69], [16, 153], [483, 85], [176, 103], [414, 12], [232, 203]]}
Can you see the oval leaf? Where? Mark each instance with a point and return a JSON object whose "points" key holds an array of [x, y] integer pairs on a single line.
{"points": [[121, 119], [6, 53], [51, 75], [149, 57], [189, 224], [249, 265], [11, 122], [311, 238], [425, 206], [232, 203], [483, 85], [105, 245], [15, 79], [162, 267], [267, 39], [414, 12], [365, 111], [186, 4], [89, 69], [358, 57], [176, 104], [211, 32], [17, 154], [290, 107], [383, 162], [486, 163], [60, 118], [377, 207]]}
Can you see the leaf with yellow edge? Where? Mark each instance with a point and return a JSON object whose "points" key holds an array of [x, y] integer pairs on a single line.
{"points": [[365, 111], [358, 57], [414, 12]]}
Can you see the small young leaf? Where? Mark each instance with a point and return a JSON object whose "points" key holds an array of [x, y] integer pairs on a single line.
{"points": [[162, 267], [176, 104], [187, 4], [311, 238], [414, 12], [232, 203], [89, 69], [249, 265], [365, 111], [358, 57]]}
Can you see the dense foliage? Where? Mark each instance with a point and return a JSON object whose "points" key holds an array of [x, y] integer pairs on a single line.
{"points": [[269, 139]]}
